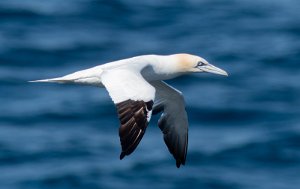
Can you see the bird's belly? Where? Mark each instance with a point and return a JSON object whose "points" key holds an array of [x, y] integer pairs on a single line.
{"points": [[150, 75]]}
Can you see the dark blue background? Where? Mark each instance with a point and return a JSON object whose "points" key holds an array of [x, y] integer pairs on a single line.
{"points": [[244, 129]]}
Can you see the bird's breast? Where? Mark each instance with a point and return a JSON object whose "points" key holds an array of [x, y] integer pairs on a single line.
{"points": [[151, 75]]}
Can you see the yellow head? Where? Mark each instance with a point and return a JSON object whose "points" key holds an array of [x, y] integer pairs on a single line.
{"points": [[192, 63]]}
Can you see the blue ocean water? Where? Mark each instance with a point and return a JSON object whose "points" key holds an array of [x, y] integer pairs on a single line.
{"points": [[244, 129]]}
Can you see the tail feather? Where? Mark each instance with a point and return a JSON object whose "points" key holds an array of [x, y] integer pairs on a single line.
{"points": [[53, 80], [88, 76]]}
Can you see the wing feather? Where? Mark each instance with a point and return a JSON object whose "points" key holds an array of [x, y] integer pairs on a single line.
{"points": [[133, 97], [173, 121]]}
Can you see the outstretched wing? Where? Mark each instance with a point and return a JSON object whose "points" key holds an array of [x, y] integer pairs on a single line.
{"points": [[133, 97], [173, 121]]}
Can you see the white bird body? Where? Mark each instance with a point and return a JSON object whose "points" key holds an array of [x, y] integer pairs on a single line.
{"points": [[135, 86], [152, 67]]}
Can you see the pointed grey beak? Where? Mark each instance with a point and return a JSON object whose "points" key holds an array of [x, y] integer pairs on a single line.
{"points": [[213, 69]]}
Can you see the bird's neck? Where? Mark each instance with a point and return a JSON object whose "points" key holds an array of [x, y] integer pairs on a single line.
{"points": [[167, 65], [161, 67]]}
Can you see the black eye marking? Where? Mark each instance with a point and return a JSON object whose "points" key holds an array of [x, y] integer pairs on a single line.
{"points": [[200, 64]]}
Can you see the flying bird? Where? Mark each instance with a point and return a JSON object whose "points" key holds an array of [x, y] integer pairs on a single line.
{"points": [[137, 89]]}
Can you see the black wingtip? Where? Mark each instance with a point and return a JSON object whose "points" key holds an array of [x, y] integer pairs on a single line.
{"points": [[178, 163], [122, 155]]}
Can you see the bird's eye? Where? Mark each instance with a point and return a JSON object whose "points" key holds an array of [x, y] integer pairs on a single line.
{"points": [[200, 64]]}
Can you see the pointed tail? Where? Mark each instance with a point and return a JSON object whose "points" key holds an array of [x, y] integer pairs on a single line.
{"points": [[53, 80], [88, 76]]}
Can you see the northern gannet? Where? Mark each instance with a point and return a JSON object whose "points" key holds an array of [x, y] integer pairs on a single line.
{"points": [[137, 90]]}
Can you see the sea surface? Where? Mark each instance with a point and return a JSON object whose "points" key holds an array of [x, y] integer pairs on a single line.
{"points": [[244, 129]]}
